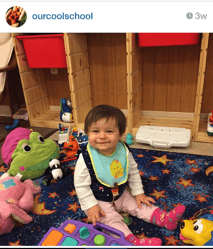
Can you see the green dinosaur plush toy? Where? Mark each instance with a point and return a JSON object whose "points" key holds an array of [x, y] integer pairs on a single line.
{"points": [[28, 153]]}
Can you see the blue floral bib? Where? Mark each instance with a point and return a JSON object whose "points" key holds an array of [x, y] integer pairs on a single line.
{"points": [[110, 169]]}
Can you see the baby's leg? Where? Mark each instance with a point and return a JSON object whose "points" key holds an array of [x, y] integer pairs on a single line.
{"points": [[114, 219], [152, 213], [127, 203]]}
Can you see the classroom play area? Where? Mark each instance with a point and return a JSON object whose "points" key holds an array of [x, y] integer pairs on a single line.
{"points": [[156, 79]]}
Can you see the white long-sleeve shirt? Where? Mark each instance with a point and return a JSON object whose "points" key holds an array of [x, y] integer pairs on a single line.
{"points": [[82, 182]]}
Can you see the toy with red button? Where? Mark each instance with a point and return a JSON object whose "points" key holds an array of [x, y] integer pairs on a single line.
{"points": [[76, 233]]}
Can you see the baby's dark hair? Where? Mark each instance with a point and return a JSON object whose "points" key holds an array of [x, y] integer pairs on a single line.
{"points": [[107, 112]]}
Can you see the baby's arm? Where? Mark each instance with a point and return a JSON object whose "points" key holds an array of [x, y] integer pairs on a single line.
{"points": [[82, 182], [94, 214], [134, 179], [136, 185]]}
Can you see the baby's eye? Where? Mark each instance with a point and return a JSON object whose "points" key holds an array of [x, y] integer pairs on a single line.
{"points": [[109, 131], [95, 131]]}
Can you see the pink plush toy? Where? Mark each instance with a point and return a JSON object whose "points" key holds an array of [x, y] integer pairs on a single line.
{"points": [[16, 198]]}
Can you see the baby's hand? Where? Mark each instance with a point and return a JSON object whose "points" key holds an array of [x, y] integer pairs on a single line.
{"points": [[143, 198], [94, 214]]}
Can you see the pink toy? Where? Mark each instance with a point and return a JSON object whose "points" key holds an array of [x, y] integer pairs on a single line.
{"points": [[16, 198]]}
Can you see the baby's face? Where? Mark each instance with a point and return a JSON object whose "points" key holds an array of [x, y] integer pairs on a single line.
{"points": [[104, 136]]}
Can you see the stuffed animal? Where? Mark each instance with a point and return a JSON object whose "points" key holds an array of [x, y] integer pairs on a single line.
{"points": [[197, 232], [71, 147], [16, 199], [55, 172], [28, 153]]}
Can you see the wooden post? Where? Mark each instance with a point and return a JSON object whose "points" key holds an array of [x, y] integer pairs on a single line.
{"points": [[200, 84], [129, 82]]}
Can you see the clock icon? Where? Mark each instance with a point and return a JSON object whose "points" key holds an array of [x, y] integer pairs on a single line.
{"points": [[189, 15]]}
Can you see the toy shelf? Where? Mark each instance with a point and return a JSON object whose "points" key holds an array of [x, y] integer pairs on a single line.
{"points": [[170, 80], [163, 86], [162, 121]]}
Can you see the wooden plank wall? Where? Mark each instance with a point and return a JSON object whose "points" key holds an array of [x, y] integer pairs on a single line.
{"points": [[33, 83], [107, 58], [207, 100], [136, 75], [79, 75], [57, 85], [170, 78]]}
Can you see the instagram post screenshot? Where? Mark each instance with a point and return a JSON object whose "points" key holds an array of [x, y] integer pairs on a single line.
{"points": [[106, 124]]}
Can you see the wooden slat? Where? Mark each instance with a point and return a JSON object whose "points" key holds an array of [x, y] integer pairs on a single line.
{"points": [[49, 119], [135, 47], [23, 64], [202, 135], [32, 78], [120, 67], [58, 85], [32, 95], [38, 108], [96, 68], [109, 69], [70, 76], [81, 79], [200, 83], [18, 45], [207, 100], [175, 78], [129, 82], [107, 56], [76, 43], [82, 111], [78, 69], [79, 62], [190, 74], [148, 78], [165, 122], [83, 95], [161, 78], [136, 61]]}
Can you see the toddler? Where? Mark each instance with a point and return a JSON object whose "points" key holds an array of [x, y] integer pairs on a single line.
{"points": [[103, 171]]}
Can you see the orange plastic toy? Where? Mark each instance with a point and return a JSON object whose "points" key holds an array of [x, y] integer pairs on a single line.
{"points": [[71, 147]]}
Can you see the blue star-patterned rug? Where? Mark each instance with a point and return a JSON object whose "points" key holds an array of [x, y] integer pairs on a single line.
{"points": [[170, 178]]}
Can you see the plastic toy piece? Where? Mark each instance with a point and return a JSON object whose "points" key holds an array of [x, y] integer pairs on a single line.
{"points": [[53, 238], [70, 242], [99, 240], [98, 235], [129, 139], [66, 111], [70, 228], [84, 233], [209, 124], [13, 126]]}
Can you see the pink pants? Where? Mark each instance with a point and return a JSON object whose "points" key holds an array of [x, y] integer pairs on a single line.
{"points": [[126, 203]]}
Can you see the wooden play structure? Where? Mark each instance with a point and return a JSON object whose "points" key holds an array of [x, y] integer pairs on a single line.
{"points": [[163, 86]]}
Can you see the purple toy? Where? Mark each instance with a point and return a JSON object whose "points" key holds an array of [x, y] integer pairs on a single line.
{"points": [[76, 233]]}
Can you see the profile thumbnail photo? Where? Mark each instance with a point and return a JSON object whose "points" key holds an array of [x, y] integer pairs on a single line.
{"points": [[16, 16]]}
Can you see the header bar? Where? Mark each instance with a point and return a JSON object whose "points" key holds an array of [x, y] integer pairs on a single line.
{"points": [[111, 17]]}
